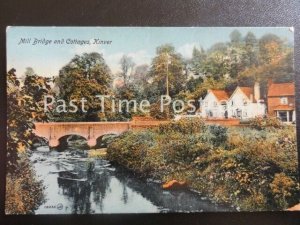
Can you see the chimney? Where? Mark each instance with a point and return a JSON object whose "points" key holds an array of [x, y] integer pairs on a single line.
{"points": [[251, 97], [256, 91], [270, 82]]}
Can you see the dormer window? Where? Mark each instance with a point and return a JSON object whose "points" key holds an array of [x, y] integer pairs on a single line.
{"points": [[284, 100]]}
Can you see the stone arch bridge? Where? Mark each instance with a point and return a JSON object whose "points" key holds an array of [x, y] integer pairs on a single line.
{"points": [[53, 131]]}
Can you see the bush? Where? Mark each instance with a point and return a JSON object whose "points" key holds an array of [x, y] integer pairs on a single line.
{"points": [[219, 135], [253, 169], [260, 123], [24, 193], [283, 188], [184, 126]]}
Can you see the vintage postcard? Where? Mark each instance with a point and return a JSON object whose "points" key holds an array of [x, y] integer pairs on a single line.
{"points": [[150, 120]]}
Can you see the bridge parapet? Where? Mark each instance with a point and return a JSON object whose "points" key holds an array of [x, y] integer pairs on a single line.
{"points": [[89, 130]]}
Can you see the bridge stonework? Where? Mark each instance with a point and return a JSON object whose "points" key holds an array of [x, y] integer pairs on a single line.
{"points": [[53, 131], [89, 130]]}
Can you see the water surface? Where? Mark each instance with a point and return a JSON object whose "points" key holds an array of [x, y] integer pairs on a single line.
{"points": [[76, 184]]}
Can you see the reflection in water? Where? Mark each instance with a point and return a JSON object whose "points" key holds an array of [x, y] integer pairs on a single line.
{"points": [[72, 187]]}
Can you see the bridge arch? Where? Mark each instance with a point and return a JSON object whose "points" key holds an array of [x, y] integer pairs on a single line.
{"points": [[103, 140], [89, 130], [70, 140]]}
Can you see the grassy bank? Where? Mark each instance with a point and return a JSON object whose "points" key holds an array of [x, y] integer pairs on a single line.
{"points": [[250, 168]]}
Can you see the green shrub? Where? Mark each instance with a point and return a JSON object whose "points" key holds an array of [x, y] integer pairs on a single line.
{"points": [[24, 193], [184, 126], [253, 169], [219, 135], [260, 123], [282, 188]]}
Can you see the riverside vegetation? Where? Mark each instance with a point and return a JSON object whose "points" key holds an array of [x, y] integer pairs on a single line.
{"points": [[251, 168]]}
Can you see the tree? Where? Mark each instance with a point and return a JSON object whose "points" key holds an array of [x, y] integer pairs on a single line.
{"points": [[251, 50], [197, 61], [236, 37], [29, 71], [140, 74], [23, 109], [36, 87], [23, 192], [167, 63], [217, 65], [193, 84], [270, 48], [85, 76], [127, 65]]}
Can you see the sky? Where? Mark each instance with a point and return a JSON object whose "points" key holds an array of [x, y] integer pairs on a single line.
{"points": [[138, 42]]}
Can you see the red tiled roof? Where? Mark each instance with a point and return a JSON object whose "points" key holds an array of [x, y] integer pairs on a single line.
{"points": [[220, 94], [281, 89], [284, 107], [248, 91]]}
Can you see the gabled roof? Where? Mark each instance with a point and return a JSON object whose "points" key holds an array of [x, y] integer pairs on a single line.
{"points": [[221, 95], [248, 91], [281, 89]]}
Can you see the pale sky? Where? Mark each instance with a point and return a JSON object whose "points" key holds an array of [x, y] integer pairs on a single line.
{"points": [[138, 42]]}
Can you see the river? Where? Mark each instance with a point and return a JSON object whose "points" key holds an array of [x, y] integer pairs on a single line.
{"points": [[76, 184]]}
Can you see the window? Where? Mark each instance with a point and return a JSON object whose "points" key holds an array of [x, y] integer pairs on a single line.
{"points": [[283, 100], [232, 103], [244, 101], [215, 104], [282, 116], [245, 114]]}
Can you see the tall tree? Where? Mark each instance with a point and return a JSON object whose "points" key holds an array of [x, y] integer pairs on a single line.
{"points": [[127, 65], [236, 37], [24, 193], [217, 65], [167, 65], [197, 61], [85, 76], [270, 48], [36, 87], [251, 50]]}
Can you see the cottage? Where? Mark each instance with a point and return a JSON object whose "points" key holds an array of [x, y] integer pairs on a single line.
{"points": [[214, 105], [243, 103], [281, 101], [246, 103]]}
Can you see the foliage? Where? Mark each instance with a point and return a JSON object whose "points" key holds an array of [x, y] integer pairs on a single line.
{"points": [[35, 88], [282, 189], [157, 113], [23, 192], [184, 126], [127, 65], [260, 123], [167, 63], [198, 57], [219, 134], [242, 61], [248, 168], [85, 76], [23, 110]]}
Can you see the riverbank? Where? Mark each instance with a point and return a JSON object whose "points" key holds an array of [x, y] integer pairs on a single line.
{"points": [[248, 168]]}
